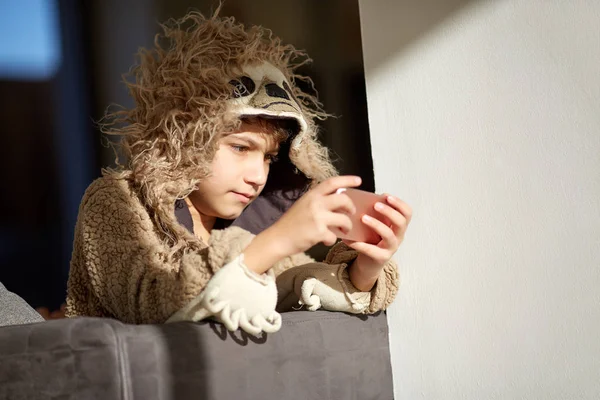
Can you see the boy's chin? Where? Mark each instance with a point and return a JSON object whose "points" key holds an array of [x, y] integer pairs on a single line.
{"points": [[231, 213]]}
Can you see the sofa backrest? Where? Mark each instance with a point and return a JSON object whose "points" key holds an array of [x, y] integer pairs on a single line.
{"points": [[316, 355]]}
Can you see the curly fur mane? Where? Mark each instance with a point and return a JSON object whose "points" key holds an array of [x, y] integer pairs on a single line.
{"points": [[180, 88]]}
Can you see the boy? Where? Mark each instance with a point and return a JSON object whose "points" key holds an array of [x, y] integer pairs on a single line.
{"points": [[225, 188]]}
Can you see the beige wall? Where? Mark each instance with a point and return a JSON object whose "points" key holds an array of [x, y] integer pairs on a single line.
{"points": [[485, 117]]}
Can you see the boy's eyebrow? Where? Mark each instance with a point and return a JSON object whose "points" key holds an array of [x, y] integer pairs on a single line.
{"points": [[250, 141], [245, 139]]}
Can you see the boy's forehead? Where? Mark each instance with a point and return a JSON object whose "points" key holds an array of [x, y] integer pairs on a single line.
{"points": [[253, 130]]}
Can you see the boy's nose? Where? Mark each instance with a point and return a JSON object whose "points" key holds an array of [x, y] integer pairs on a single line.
{"points": [[257, 174]]}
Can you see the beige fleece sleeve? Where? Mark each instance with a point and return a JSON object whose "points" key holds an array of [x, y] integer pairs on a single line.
{"points": [[291, 262], [385, 289], [328, 284], [121, 269]]}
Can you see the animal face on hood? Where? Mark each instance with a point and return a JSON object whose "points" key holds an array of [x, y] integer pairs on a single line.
{"points": [[203, 75], [262, 90]]}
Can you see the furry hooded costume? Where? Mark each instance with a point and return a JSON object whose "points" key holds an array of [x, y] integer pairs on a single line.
{"points": [[135, 256]]}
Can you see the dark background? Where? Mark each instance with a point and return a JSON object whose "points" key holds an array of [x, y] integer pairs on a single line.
{"points": [[52, 150]]}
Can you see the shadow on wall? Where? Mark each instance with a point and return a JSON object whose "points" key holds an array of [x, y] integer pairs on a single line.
{"points": [[418, 19]]}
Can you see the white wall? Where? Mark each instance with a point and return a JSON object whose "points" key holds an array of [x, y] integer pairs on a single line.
{"points": [[485, 117]]}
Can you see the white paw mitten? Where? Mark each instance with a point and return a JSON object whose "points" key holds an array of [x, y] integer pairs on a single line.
{"points": [[238, 298], [320, 285]]}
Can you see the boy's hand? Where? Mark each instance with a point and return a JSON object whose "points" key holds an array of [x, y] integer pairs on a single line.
{"points": [[305, 224], [310, 219], [367, 267]]}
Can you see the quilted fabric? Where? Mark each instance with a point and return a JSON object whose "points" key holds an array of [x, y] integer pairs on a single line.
{"points": [[316, 355]]}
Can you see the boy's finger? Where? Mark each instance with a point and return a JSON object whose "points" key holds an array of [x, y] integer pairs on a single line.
{"points": [[340, 221], [401, 206], [386, 233], [371, 251], [339, 202], [397, 219], [331, 185], [362, 247]]}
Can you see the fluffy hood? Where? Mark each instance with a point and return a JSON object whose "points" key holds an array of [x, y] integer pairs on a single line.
{"points": [[186, 98]]}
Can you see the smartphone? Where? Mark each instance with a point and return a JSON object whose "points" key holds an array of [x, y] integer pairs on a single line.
{"points": [[364, 202]]}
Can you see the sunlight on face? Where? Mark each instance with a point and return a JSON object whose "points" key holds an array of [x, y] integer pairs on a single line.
{"points": [[239, 172]]}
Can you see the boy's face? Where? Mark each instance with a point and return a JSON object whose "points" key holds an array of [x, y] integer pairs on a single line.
{"points": [[239, 172]]}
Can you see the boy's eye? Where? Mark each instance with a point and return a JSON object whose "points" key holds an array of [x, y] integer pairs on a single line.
{"points": [[238, 148]]}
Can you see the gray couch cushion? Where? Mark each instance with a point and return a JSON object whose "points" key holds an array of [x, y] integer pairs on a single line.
{"points": [[14, 310], [316, 355]]}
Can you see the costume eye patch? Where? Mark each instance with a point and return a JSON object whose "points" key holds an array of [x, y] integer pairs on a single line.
{"points": [[275, 91], [244, 86]]}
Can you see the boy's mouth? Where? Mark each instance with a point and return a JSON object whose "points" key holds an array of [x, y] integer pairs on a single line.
{"points": [[244, 197]]}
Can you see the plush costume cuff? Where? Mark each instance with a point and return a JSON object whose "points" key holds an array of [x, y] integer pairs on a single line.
{"points": [[328, 285], [341, 253], [238, 298], [320, 285]]}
